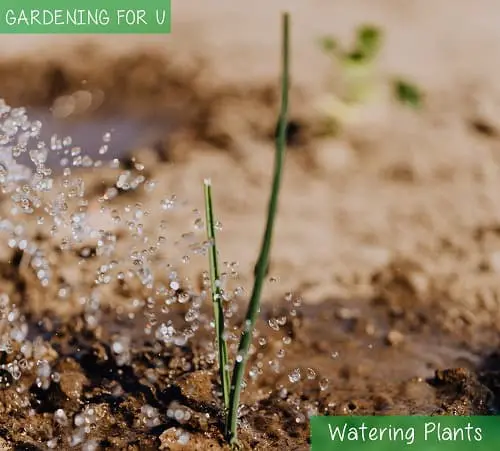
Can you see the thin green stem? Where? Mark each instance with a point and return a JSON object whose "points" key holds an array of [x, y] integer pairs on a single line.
{"points": [[216, 291], [263, 260]]}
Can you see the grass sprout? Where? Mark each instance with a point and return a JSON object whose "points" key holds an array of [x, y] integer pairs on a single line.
{"points": [[216, 291], [261, 269]]}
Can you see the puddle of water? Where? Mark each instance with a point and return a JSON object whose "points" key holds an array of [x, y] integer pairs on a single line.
{"points": [[90, 134]]}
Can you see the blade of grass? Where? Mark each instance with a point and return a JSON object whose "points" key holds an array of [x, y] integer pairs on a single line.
{"points": [[216, 292], [263, 260]]}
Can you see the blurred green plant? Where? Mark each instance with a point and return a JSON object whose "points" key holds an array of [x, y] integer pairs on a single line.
{"points": [[358, 82], [407, 93]]}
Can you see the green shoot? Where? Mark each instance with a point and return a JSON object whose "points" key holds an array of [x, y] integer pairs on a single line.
{"points": [[365, 49], [408, 94], [359, 84], [368, 43], [356, 86], [263, 260], [216, 292]]}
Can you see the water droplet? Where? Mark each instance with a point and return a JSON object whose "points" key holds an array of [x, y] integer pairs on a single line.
{"points": [[198, 224], [311, 374], [4, 172], [150, 185], [168, 204], [174, 285], [294, 376], [281, 321], [273, 324], [39, 156], [183, 438], [60, 417]]}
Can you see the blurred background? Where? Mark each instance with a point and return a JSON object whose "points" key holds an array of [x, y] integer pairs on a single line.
{"points": [[400, 176]]}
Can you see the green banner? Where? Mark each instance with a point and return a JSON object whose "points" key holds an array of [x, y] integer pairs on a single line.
{"points": [[85, 16], [415, 433]]}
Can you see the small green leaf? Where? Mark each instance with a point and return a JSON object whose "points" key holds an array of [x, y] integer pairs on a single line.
{"points": [[408, 94], [328, 44], [368, 41], [355, 57]]}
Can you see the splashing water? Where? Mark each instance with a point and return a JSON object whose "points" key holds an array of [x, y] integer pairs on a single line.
{"points": [[36, 202]]}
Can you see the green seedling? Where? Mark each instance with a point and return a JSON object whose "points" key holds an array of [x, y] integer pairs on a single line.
{"points": [[216, 292], [232, 396], [356, 63], [358, 84]]}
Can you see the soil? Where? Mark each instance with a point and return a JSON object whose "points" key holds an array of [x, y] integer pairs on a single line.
{"points": [[384, 287]]}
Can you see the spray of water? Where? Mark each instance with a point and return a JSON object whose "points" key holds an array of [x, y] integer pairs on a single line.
{"points": [[40, 200]]}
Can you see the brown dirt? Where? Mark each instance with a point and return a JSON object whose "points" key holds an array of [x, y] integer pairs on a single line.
{"points": [[388, 238]]}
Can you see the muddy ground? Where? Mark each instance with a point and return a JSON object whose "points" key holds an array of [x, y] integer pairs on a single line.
{"points": [[384, 287]]}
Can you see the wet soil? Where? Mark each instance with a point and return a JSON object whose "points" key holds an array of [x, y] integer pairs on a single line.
{"points": [[401, 317], [342, 357]]}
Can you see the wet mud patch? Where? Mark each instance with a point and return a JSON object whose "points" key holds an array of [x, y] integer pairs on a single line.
{"points": [[116, 387]]}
